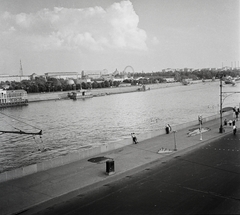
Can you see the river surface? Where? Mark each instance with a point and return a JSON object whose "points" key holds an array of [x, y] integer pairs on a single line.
{"points": [[69, 125]]}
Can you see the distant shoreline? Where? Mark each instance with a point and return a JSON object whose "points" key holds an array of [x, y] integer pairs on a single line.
{"points": [[37, 97]]}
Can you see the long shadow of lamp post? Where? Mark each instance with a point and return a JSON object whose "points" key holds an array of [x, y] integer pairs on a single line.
{"points": [[175, 144]]}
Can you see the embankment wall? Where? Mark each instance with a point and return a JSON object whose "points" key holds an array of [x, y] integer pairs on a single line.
{"points": [[37, 97], [89, 152]]}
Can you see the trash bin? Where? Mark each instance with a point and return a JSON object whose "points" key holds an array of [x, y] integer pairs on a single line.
{"points": [[167, 130], [110, 167]]}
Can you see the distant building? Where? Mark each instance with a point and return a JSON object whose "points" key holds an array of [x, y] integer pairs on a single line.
{"points": [[118, 79], [63, 75], [107, 77], [169, 70], [226, 68], [85, 80], [92, 74], [116, 72], [177, 69], [33, 76], [187, 69], [213, 69], [119, 76], [16, 78]]}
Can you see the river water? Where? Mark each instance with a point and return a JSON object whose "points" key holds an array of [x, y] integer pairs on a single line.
{"points": [[73, 125]]}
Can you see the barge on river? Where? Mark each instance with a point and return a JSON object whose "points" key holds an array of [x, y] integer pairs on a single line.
{"points": [[80, 95], [11, 98]]}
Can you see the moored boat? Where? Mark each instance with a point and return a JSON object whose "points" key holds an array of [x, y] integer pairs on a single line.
{"points": [[81, 94], [10, 98], [142, 88], [185, 82]]}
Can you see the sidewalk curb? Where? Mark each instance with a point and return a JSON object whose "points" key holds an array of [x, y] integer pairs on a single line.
{"points": [[117, 176]]}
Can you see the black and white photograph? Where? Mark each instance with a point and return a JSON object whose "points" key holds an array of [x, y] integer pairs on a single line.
{"points": [[119, 107]]}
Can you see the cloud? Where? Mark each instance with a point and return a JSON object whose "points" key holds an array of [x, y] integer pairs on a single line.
{"points": [[94, 28]]}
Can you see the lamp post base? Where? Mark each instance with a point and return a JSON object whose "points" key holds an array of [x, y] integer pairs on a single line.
{"points": [[221, 129]]}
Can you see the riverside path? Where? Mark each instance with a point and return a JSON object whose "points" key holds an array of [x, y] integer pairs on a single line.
{"points": [[79, 180], [205, 181]]}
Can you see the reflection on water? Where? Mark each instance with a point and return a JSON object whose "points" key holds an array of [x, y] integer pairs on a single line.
{"points": [[72, 125]]}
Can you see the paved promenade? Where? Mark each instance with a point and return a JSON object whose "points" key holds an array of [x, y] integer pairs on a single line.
{"points": [[34, 192]]}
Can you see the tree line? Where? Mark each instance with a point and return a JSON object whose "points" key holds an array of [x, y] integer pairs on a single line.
{"points": [[50, 84], [194, 75]]}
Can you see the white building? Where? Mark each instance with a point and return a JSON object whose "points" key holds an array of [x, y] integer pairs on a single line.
{"points": [[17, 78], [92, 74], [63, 75]]}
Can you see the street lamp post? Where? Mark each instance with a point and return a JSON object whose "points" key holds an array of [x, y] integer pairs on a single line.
{"points": [[200, 131], [221, 126]]}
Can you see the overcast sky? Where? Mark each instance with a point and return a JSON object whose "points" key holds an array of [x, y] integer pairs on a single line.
{"points": [[149, 35]]}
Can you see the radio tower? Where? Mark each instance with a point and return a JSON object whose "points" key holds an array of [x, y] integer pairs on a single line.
{"points": [[21, 70]]}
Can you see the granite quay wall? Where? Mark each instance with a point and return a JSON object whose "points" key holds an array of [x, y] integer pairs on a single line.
{"points": [[37, 97], [89, 152]]}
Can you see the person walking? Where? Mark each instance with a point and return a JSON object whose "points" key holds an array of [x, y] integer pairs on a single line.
{"points": [[225, 121], [134, 138], [168, 128], [233, 122], [234, 129], [236, 113]]}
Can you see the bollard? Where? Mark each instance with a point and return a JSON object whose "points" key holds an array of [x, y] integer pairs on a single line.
{"points": [[110, 167]]}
